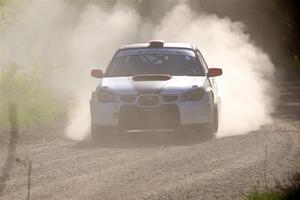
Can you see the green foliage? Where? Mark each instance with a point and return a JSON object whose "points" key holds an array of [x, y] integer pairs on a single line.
{"points": [[5, 2], [34, 102], [265, 196]]}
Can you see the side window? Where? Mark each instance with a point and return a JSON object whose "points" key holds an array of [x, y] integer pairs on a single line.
{"points": [[202, 61]]}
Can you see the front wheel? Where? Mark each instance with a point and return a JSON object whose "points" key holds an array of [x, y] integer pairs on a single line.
{"points": [[213, 127], [209, 130]]}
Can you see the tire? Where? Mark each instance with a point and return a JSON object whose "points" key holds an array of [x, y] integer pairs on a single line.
{"points": [[213, 127], [215, 124], [208, 131]]}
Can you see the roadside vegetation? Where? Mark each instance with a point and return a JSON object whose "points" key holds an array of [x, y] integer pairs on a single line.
{"points": [[290, 191], [23, 86], [35, 103]]}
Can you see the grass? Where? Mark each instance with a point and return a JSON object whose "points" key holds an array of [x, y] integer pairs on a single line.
{"points": [[34, 102], [265, 196], [287, 192]]}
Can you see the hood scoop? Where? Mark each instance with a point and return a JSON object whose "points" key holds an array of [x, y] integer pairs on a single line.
{"points": [[151, 77]]}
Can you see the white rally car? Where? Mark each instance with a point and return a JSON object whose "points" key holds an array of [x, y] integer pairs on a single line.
{"points": [[156, 86]]}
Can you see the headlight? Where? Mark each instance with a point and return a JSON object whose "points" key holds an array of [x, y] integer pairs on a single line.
{"points": [[194, 95], [106, 96]]}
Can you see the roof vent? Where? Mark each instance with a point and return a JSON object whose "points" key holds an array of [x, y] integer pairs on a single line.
{"points": [[156, 43]]}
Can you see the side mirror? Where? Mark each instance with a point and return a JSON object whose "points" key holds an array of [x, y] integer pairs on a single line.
{"points": [[97, 73], [213, 72]]}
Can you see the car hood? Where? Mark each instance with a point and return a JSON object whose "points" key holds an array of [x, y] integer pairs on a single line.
{"points": [[175, 85]]}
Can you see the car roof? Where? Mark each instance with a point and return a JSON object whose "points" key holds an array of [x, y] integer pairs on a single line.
{"points": [[165, 45]]}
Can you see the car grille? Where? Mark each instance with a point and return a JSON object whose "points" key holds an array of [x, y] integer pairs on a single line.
{"points": [[148, 100], [132, 117]]}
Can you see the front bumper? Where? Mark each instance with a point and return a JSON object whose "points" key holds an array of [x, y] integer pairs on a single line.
{"points": [[173, 115]]}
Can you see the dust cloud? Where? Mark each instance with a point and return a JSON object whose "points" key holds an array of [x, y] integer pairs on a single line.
{"points": [[96, 37], [77, 40], [246, 89]]}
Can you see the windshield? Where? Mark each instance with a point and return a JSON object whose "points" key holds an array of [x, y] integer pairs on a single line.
{"points": [[176, 62]]}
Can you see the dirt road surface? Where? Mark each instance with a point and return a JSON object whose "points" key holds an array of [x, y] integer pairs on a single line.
{"points": [[162, 166]]}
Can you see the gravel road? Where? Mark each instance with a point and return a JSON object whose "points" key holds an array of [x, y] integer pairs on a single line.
{"points": [[156, 166]]}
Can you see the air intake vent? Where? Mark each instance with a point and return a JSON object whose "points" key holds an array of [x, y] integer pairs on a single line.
{"points": [[152, 77]]}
